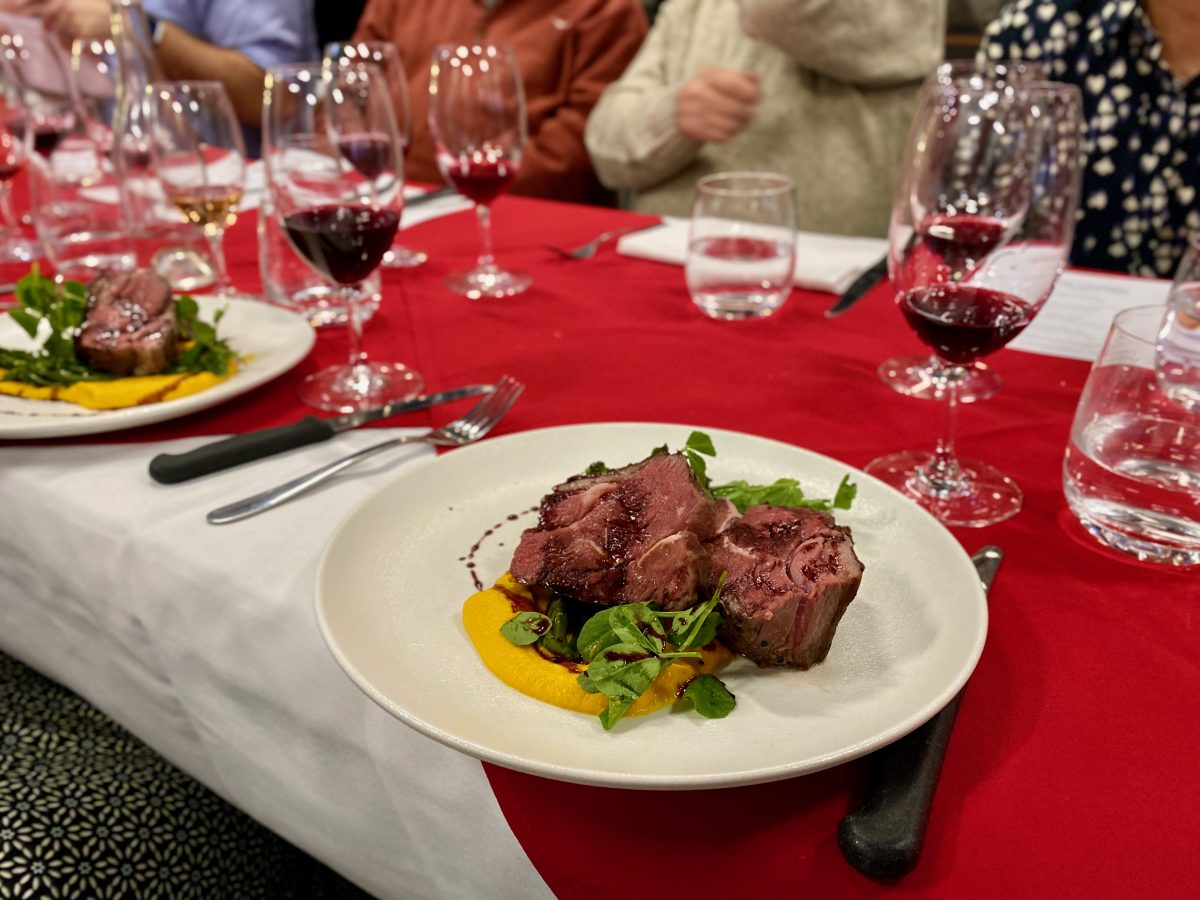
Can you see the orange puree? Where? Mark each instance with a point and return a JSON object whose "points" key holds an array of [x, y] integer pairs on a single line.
{"points": [[120, 392], [531, 673]]}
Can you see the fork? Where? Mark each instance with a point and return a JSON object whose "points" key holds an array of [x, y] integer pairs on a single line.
{"points": [[588, 250], [477, 422]]}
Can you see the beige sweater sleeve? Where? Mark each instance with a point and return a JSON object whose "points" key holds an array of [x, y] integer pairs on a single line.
{"points": [[873, 43], [631, 134]]}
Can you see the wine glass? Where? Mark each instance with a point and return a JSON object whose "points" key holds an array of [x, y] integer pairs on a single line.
{"points": [[980, 232], [196, 145], [335, 172], [15, 141], [477, 119], [925, 377], [385, 55]]}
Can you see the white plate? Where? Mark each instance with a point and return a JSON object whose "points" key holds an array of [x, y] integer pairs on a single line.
{"points": [[393, 578], [271, 339]]}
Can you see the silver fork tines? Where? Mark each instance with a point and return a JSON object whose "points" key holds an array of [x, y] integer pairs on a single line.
{"points": [[477, 422], [588, 250]]}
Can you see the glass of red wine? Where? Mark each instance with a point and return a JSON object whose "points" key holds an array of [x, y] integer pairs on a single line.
{"points": [[477, 119], [385, 55], [980, 231], [335, 170], [925, 377]]}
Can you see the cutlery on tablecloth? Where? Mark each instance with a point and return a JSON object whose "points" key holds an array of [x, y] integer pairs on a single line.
{"points": [[172, 468], [588, 250], [883, 837], [860, 286], [480, 420], [428, 196]]}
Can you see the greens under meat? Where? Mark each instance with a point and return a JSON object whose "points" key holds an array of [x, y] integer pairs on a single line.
{"points": [[59, 308]]}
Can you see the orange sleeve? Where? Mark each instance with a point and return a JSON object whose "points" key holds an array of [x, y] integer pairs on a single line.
{"points": [[556, 162], [376, 21]]}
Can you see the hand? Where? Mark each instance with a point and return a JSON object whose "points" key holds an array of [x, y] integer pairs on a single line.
{"points": [[78, 18], [715, 104]]}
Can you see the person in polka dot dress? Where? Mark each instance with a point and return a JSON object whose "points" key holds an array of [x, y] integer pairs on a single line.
{"points": [[1138, 65]]}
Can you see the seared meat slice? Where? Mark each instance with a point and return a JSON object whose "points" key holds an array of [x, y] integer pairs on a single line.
{"points": [[130, 326], [792, 573], [624, 536]]}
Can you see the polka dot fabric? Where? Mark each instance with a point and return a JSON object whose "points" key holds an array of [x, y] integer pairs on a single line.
{"points": [[1143, 127]]}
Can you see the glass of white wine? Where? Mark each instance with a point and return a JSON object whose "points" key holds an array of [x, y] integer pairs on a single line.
{"points": [[199, 155]]}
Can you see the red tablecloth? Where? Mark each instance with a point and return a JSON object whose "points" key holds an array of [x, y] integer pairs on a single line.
{"points": [[1072, 769]]}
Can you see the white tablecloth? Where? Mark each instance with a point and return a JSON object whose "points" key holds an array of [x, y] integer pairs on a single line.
{"points": [[203, 642]]}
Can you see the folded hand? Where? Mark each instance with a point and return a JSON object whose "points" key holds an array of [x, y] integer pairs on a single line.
{"points": [[715, 103]]}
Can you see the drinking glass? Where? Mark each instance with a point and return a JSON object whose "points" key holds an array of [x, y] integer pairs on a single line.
{"points": [[335, 172], [196, 144], [980, 231], [1177, 347], [477, 119], [15, 140], [1132, 466], [385, 55], [925, 377], [742, 244]]}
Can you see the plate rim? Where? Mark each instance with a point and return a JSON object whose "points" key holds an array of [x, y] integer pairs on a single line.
{"points": [[15, 427], [640, 781]]}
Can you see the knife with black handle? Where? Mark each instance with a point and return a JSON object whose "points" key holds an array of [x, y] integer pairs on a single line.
{"points": [[860, 286], [172, 468], [883, 838]]}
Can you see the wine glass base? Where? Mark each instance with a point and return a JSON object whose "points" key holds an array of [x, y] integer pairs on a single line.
{"points": [[348, 389], [921, 377], [984, 495], [186, 269], [404, 258], [488, 283], [19, 250]]}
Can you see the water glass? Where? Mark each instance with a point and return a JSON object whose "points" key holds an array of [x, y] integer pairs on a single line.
{"points": [[742, 244], [1177, 362], [1132, 468], [291, 283]]}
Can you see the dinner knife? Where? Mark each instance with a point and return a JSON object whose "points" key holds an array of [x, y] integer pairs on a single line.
{"points": [[883, 838], [435, 194], [172, 468], [860, 286]]}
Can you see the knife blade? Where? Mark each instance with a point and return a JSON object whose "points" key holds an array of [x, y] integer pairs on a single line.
{"points": [[883, 838], [428, 196], [172, 468], [860, 286]]}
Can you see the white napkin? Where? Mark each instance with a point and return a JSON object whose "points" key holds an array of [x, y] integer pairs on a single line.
{"points": [[824, 262]]}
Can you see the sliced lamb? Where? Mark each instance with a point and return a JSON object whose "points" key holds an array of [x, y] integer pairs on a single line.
{"points": [[629, 535], [129, 327], [792, 573]]}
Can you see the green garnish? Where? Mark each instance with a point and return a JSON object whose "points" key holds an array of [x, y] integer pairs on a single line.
{"points": [[710, 697], [58, 308]]}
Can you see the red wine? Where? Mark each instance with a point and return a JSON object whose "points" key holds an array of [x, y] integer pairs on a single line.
{"points": [[46, 137], [963, 322], [962, 240], [8, 169], [347, 243], [370, 154], [481, 182]]}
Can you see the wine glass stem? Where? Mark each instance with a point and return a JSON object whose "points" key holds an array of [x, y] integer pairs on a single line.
{"points": [[358, 356], [486, 258], [943, 472], [8, 219], [216, 250]]}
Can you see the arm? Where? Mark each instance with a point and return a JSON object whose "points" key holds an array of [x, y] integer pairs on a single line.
{"points": [[874, 43], [632, 134], [555, 155], [184, 56], [373, 24]]}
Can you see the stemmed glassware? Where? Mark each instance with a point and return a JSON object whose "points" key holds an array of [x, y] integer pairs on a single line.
{"points": [[335, 171], [980, 231], [15, 141], [385, 55], [477, 119], [925, 377], [196, 144]]}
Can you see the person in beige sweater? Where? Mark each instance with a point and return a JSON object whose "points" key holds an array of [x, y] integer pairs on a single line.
{"points": [[820, 90]]}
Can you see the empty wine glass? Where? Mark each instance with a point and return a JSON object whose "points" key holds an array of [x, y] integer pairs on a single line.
{"points": [[385, 55], [15, 140], [980, 232], [335, 172], [477, 119], [925, 377], [196, 144]]}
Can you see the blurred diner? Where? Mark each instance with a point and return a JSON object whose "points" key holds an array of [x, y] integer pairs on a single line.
{"points": [[1138, 65], [818, 91], [568, 51]]}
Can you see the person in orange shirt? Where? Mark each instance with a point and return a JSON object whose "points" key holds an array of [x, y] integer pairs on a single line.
{"points": [[568, 52]]}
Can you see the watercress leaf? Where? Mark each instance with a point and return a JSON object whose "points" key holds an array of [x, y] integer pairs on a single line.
{"points": [[596, 468], [624, 670], [611, 714], [636, 623], [699, 466], [596, 634], [710, 697], [586, 684], [525, 628], [701, 443], [846, 492], [659, 450], [25, 319]]}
